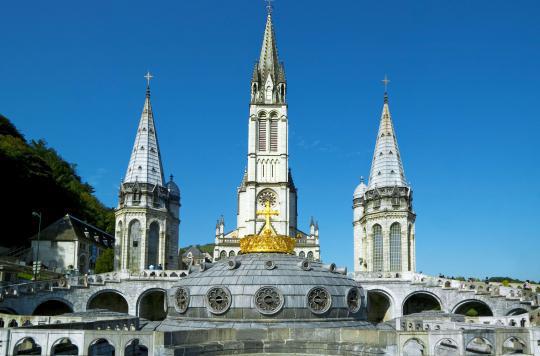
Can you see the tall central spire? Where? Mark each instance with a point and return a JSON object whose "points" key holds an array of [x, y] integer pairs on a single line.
{"points": [[386, 167], [145, 162], [268, 83]]}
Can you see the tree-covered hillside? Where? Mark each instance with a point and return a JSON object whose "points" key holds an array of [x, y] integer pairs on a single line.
{"points": [[34, 177]]}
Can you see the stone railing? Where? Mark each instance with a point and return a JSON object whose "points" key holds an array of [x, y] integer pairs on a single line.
{"points": [[29, 288]]}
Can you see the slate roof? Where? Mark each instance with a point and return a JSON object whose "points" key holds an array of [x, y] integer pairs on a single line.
{"points": [[69, 228]]}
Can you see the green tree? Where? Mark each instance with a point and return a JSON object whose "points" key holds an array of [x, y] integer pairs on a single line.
{"points": [[472, 312], [505, 283], [105, 261]]}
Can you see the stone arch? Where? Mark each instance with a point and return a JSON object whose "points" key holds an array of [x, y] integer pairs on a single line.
{"points": [[82, 263], [135, 348], [515, 310], [109, 299], [101, 347], [413, 347], [222, 254], [310, 255], [514, 345], [302, 254], [473, 307], [153, 244], [232, 253], [26, 346], [446, 347], [53, 307], [134, 245], [420, 301], [6, 310], [479, 345], [152, 304], [380, 305], [64, 346]]}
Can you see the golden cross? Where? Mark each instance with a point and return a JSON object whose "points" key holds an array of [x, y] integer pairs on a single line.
{"points": [[268, 212]]}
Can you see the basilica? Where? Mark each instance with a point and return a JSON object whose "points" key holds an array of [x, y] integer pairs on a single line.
{"points": [[267, 290]]}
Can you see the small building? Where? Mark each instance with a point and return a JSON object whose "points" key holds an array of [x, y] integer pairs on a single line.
{"points": [[194, 256], [70, 244]]}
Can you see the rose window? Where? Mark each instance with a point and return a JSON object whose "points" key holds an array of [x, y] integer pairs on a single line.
{"points": [[353, 299], [219, 300], [182, 299], [319, 300], [268, 300], [267, 195]]}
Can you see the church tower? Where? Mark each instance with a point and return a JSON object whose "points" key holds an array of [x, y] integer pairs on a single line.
{"points": [[147, 216], [383, 217], [267, 177]]}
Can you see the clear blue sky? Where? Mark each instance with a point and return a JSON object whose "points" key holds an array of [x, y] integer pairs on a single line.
{"points": [[464, 98]]}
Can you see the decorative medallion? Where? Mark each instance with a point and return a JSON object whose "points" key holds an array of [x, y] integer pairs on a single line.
{"points": [[269, 264], [218, 300], [268, 300], [353, 300], [305, 265], [319, 300], [181, 298], [267, 196]]}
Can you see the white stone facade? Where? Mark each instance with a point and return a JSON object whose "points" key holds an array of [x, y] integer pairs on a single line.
{"points": [[383, 218], [147, 217]]}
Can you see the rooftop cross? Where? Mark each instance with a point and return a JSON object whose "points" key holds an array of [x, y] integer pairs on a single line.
{"points": [[269, 6], [385, 81], [148, 77], [267, 212]]}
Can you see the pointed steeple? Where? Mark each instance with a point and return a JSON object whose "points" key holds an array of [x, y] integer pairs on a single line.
{"points": [[386, 167], [268, 71], [145, 162]]}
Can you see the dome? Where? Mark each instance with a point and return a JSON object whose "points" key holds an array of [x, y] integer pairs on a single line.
{"points": [[360, 189], [266, 288], [172, 187]]}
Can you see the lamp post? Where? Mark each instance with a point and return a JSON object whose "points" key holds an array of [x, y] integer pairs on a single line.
{"points": [[36, 263]]}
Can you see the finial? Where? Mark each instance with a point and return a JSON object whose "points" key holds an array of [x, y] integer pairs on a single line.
{"points": [[269, 6], [361, 179], [385, 81], [148, 77], [171, 178]]}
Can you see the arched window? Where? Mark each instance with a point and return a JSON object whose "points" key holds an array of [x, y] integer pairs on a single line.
{"points": [[395, 247], [302, 254], [409, 244], [273, 135], [232, 254], [134, 247], [262, 135], [377, 248], [223, 254], [153, 244], [310, 256]]}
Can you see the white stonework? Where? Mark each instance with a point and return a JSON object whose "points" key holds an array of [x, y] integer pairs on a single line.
{"points": [[147, 217], [383, 217], [267, 177]]}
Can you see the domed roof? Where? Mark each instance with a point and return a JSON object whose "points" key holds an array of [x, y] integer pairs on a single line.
{"points": [[360, 189], [172, 187], [266, 288]]}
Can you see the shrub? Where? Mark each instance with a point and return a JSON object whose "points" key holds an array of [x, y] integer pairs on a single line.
{"points": [[105, 261]]}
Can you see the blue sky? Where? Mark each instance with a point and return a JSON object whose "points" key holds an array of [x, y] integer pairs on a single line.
{"points": [[464, 98]]}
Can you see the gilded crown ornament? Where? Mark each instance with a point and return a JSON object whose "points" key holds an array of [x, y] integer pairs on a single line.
{"points": [[268, 240]]}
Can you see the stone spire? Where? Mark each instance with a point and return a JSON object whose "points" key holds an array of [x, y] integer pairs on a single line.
{"points": [[386, 167], [268, 71], [145, 163]]}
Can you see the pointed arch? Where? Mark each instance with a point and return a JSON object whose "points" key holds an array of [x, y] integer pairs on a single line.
{"points": [[153, 244], [134, 245]]}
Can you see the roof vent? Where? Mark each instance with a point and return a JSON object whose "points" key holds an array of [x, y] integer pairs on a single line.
{"points": [[233, 263], [269, 264], [305, 265], [331, 267]]}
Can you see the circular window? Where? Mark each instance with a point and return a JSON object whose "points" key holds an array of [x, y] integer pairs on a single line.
{"points": [[218, 299], [268, 300], [353, 300], [319, 300], [181, 298], [267, 196], [305, 265], [269, 264]]}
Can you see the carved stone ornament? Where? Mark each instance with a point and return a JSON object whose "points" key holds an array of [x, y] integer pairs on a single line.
{"points": [[218, 300], [181, 299], [353, 300], [268, 300], [319, 300], [267, 196]]}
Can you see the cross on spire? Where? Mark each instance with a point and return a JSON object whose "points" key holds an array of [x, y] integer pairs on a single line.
{"points": [[269, 6], [385, 82], [148, 77]]}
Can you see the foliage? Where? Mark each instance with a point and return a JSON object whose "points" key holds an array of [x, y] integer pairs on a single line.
{"points": [[502, 279], [208, 248], [471, 312], [505, 283], [26, 276], [36, 178], [459, 278], [105, 261], [538, 289]]}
